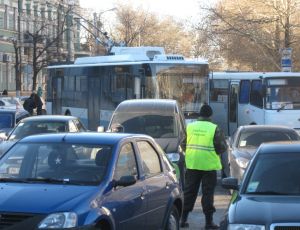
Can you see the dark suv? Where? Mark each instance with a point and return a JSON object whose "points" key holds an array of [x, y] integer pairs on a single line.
{"points": [[161, 119]]}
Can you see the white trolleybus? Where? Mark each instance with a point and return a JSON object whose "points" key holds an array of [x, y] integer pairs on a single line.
{"points": [[92, 87], [242, 98]]}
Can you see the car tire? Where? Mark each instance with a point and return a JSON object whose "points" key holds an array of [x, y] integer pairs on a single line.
{"points": [[173, 219]]}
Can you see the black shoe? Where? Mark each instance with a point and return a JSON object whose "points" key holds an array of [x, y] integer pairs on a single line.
{"points": [[212, 225], [184, 225]]}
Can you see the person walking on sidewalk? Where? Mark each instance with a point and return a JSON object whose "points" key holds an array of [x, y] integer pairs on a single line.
{"points": [[205, 143]]}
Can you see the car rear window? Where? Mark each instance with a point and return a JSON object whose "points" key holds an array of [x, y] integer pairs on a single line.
{"points": [[35, 127], [156, 126], [255, 138]]}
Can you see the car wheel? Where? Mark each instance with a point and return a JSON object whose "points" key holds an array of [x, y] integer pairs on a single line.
{"points": [[173, 220]]}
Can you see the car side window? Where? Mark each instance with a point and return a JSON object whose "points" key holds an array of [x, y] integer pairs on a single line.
{"points": [[150, 159], [72, 127], [126, 164]]}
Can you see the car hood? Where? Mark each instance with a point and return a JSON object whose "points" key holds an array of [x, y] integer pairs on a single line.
{"points": [[266, 209], [246, 152], [43, 198], [169, 145]]}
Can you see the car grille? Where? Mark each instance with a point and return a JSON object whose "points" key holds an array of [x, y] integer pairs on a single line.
{"points": [[286, 226], [8, 219]]}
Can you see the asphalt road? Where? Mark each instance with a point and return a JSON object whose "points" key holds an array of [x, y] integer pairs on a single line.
{"points": [[196, 218]]}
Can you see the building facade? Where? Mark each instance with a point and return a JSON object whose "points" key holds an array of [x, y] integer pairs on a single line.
{"points": [[34, 34]]}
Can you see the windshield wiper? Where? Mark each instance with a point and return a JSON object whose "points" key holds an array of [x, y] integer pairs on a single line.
{"points": [[267, 193], [54, 181], [18, 180], [283, 105]]}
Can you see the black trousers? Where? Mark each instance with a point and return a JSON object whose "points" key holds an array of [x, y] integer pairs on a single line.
{"points": [[208, 181]]}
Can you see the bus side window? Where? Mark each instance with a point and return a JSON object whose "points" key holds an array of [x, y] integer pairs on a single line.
{"points": [[218, 91], [256, 97], [244, 92]]}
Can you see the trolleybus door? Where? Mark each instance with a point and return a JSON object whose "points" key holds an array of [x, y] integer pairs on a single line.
{"points": [[57, 87], [233, 107], [94, 95]]}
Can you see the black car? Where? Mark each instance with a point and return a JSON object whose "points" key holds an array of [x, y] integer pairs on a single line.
{"points": [[161, 119], [269, 194], [245, 141]]}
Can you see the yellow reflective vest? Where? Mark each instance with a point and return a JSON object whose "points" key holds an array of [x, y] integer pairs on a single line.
{"points": [[200, 151]]}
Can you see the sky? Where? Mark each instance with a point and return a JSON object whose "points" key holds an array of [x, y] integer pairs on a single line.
{"points": [[180, 9]]}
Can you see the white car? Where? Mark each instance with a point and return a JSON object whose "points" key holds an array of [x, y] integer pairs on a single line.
{"points": [[7, 102]]}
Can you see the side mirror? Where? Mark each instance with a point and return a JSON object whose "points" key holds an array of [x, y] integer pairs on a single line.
{"points": [[230, 183], [117, 128], [124, 181], [100, 129]]}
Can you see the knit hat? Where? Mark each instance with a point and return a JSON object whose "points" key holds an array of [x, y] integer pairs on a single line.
{"points": [[206, 111]]}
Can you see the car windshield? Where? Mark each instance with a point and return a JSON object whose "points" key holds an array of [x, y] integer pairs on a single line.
{"points": [[275, 174], [35, 127], [55, 163], [156, 126], [6, 120], [253, 139]]}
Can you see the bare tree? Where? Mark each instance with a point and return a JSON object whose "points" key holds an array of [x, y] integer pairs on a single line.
{"points": [[139, 27], [42, 44], [251, 34]]}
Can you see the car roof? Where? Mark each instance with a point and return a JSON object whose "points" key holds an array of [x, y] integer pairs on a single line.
{"points": [[280, 147], [81, 138], [16, 111], [147, 105], [265, 128], [49, 118]]}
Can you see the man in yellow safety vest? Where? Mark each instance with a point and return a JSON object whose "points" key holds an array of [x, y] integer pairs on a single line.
{"points": [[205, 143]]}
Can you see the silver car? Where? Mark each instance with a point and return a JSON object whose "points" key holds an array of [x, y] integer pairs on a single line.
{"points": [[245, 141]]}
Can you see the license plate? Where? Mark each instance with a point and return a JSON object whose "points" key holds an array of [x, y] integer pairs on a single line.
{"points": [[13, 170]]}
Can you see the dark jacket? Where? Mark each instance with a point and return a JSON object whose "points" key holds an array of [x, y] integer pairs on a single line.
{"points": [[39, 104]]}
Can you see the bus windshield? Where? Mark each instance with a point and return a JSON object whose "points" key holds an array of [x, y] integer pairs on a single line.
{"points": [[183, 83], [283, 93]]}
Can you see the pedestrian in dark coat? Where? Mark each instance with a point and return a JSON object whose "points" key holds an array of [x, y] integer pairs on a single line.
{"points": [[29, 104], [38, 104]]}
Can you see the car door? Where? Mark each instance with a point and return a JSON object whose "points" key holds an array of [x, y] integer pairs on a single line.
{"points": [[128, 204], [157, 184]]}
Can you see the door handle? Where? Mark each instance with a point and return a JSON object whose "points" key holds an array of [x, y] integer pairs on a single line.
{"points": [[168, 185], [143, 194]]}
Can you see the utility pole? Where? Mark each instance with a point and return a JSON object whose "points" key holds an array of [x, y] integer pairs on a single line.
{"points": [[18, 52]]}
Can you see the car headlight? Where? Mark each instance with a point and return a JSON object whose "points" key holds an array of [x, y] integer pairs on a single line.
{"points": [[245, 227], [59, 220], [173, 157], [242, 162]]}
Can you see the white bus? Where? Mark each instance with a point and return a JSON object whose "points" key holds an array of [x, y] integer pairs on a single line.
{"points": [[242, 98], [92, 87]]}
